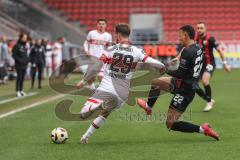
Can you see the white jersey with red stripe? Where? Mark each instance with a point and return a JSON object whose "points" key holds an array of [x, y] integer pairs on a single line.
{"points": [[118, 72], [96, 42]]}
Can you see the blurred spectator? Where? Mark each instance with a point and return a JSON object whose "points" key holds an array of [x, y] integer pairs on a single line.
{"points": [[57, 58], [66, 69], [37, 59], [30, 45], [3, 60], [21, 62], [11, 69], [48, 57]]}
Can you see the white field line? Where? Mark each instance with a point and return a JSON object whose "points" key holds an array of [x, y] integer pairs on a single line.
{"points": [[16, 98], [30, 106]]}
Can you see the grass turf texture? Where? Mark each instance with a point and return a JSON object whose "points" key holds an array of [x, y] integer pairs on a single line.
{"points": [[26, 135]]}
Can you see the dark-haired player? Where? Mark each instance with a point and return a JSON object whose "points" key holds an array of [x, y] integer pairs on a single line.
{"points": [[182, 84], [208, 43]]}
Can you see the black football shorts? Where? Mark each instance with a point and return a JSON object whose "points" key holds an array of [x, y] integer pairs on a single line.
{"points": [[183, 95]]}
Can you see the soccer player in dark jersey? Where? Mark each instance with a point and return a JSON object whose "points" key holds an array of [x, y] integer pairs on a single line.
{"points": [[181, 83], [208, 43]]}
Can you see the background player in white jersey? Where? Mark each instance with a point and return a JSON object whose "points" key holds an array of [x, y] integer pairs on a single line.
{"points": [[96, 41], [48, 56], [57, 52], [114, 88]]}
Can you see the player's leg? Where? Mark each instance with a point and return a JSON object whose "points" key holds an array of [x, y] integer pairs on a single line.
{"points": [[40, 72], [201, 93], [158, 85], [172, 122], [58, 68], [47, 68], [162, 83], [208, 91], [178, 105], [205, 80], [22, 81], [33, 74], [91, 106], [110, 103], [19, 74], [96, 124]]}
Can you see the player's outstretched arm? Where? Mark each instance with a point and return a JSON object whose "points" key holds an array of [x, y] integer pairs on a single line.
{"points": [[225, 65], [86, 47], [153, 63]]}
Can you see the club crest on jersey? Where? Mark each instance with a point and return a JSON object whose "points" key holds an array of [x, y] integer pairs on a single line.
{"points": [[205, 42], [183, 61]]}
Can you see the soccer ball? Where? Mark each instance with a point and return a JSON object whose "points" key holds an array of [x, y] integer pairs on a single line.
{"points": [[59, 135]]}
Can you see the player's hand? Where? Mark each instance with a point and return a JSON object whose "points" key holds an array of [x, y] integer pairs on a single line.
{"points": [[163, 70], [88, 54], [105, 59], [173, 61], [173, 64], [226, 67], [80, 84]]}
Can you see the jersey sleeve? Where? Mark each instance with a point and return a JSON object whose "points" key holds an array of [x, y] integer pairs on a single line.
{"points": [[149, 62], [212, 42], [86, 44], [142, 56], [110, 38], [183, 65], [89, 36]]}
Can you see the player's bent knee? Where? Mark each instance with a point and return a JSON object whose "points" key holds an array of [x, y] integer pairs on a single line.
{"points": [[205, 82], [91, 106], [105, 112], [82, 116], [169, 124], [206, 79]]}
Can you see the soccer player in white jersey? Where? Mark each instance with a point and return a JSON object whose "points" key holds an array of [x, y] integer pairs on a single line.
{"points": [[96, 41], [114, 88]]}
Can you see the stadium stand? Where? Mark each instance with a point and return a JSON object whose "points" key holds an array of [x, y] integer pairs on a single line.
{"points": [[36, 19], [221, 16]]}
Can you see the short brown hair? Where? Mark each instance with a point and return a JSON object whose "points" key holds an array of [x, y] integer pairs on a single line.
{"points": [[123, 29], [201, 22], [102, 19]]}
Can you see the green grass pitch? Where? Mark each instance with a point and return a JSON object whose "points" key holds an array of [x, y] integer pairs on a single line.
{"points": [[26, 135]]}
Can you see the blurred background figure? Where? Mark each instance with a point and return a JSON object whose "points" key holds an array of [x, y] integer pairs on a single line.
{"points": [[48, 57], [3, 60], [21, 62], [37, 59], [57, 58], [30, 45], [66, 56]]}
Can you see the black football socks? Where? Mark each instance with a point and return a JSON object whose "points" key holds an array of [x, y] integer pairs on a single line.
{"points": [[201, 93], [208, 93], [153, 96], [185, 127]]}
